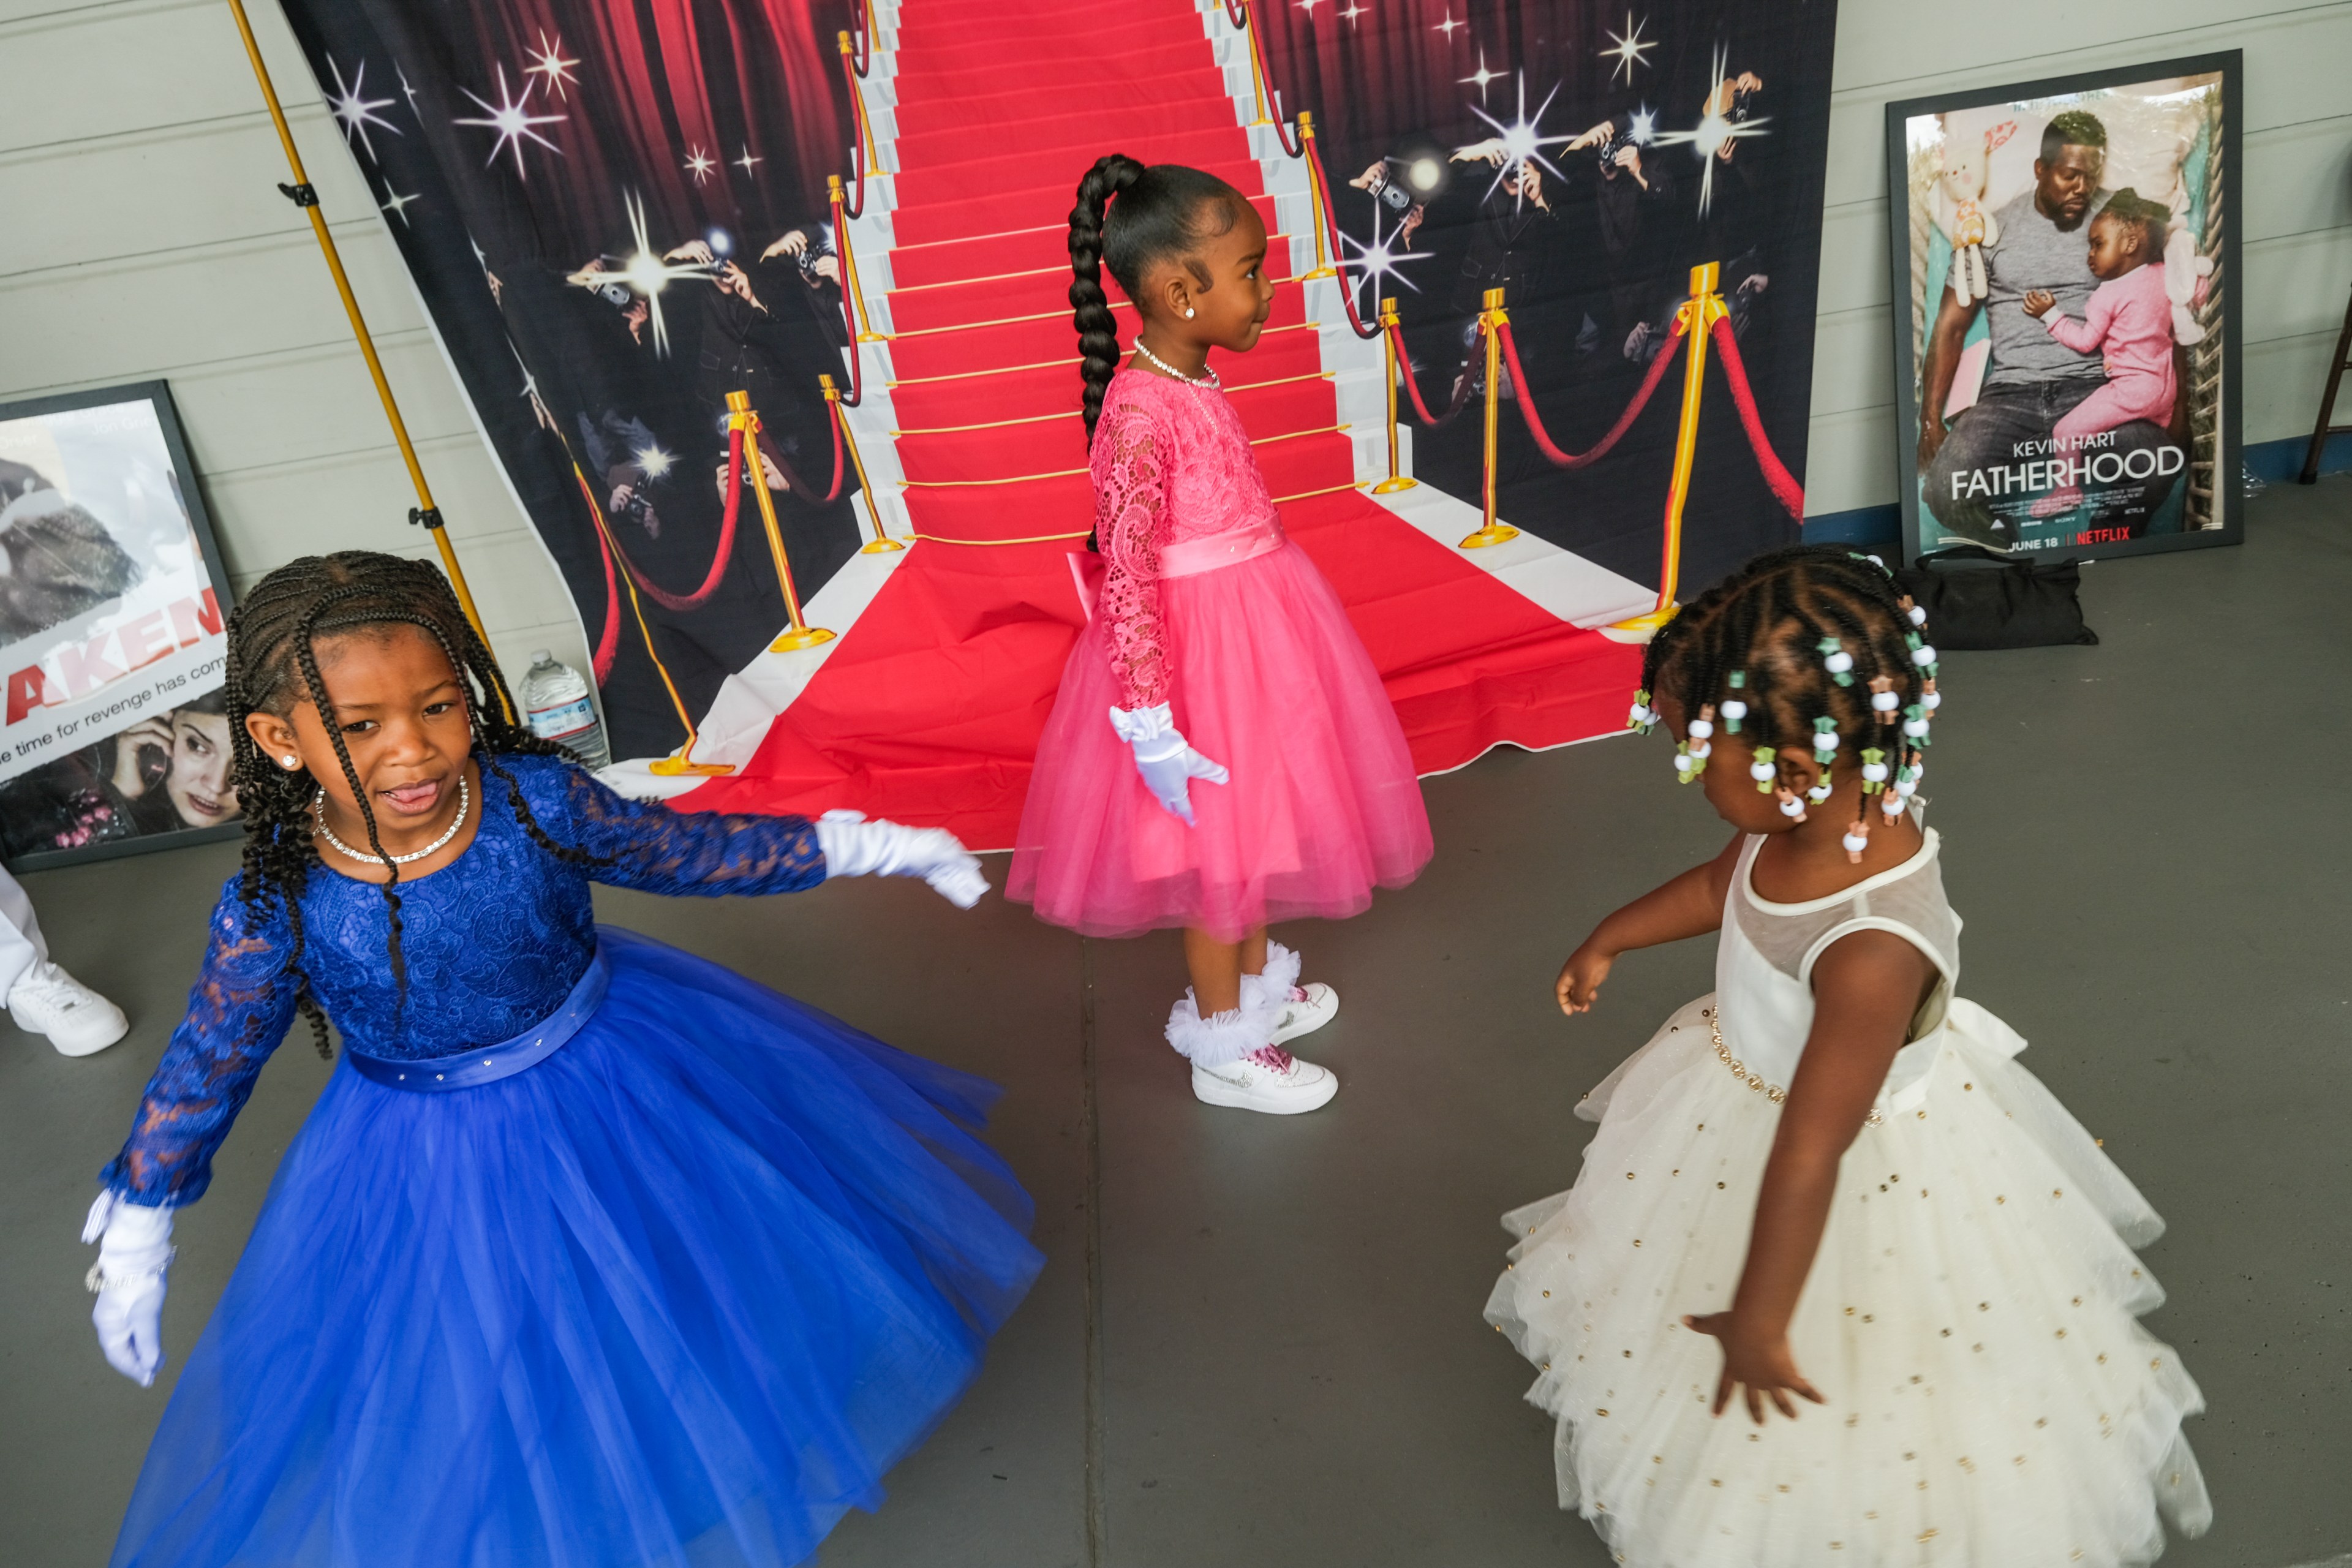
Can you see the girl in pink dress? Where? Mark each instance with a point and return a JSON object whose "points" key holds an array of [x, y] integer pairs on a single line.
{"points": [[1215, 656], [2128, 321]]}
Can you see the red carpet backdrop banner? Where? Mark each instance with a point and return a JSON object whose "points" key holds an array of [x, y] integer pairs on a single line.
{"points": [[619, 216]]}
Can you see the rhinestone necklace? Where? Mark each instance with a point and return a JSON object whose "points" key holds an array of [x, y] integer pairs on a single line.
{"points": [[1209, 380], [319, 811]]}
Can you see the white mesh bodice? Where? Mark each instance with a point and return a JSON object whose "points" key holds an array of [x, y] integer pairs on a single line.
{"points": [[1765, 962]]}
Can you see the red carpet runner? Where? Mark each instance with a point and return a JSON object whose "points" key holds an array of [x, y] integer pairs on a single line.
{"points": [[929, 710]]}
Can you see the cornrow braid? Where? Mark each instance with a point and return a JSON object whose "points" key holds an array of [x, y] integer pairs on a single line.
{"points": [[1781, 624], [272, 666]]}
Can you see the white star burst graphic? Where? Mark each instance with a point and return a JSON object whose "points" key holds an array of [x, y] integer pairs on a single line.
{"points": [[645, 271], [652, 461], [548, 62], [1351, 12], [1628, 48], [698, 164], [1447, 27], [1713, 133], [1378, 262], [354, 111], [1523, 139], [1308, 6], [746, 162], [1482, 75], [1642, 126], [511, 118], [395, 204], [406, 91]]}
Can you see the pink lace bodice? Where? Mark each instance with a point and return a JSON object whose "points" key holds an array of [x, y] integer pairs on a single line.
{"points": [[1171, 463]]}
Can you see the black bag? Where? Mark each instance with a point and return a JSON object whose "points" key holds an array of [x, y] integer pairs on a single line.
{"points": [[2011, 603]]}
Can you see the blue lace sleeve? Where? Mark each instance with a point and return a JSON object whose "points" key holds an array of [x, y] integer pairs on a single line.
{"points": [[237, 1014], [646, 846]]}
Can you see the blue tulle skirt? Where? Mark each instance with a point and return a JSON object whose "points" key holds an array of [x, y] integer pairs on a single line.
{"points": [[675, 1296]]}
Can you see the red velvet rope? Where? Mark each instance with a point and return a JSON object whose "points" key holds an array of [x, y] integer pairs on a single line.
{"points": [[856, 138], [1412, 387], [1784, 486], [1331, 224], [1616, 432], [725, 552], [608, 641], [1237, 12]]}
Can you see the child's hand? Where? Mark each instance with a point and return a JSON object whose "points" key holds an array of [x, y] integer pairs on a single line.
{"points": [[2038, 300], [1760, 1363], [1578, 986]]}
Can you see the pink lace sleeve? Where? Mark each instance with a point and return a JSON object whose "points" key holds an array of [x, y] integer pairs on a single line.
{"points": [[1130, 520]]}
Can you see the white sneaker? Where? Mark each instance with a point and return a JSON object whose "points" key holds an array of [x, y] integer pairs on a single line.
{"points": [[1308, 1009], [45, 1000], [1254, 1083]]}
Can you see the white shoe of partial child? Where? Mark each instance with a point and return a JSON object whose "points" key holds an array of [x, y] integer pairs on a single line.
{"points": [[45, 1000], [1272, 1081]]}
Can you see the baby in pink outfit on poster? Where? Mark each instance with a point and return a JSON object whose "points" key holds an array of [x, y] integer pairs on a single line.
{"points": [[2129, 319]]}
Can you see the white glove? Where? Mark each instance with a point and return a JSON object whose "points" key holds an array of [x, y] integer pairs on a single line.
{"points": [[1165, 759], [856, 848], [134, 1248]]}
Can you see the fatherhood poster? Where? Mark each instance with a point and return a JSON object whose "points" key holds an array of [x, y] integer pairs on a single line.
{"points": [[2065, 348]]}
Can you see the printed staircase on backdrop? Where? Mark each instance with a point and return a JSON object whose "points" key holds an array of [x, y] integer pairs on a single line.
{"points": [[927, 709]]}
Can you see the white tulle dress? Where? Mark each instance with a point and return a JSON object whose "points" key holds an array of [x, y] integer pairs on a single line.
{"points": [[1970, 1317]]}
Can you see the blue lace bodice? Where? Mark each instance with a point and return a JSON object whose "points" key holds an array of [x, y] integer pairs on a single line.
{"points": [[493, 942]]}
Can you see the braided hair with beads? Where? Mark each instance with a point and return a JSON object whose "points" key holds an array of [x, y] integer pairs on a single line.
{"points": [[1163, 210], [273, 667], [1809, 645]]}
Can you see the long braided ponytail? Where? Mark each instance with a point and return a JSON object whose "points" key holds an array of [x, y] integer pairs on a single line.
{"points": [[272, 666], [1161, 211]]}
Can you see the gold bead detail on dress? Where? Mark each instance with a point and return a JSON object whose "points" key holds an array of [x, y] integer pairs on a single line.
{"points": [[1771, 1092]]}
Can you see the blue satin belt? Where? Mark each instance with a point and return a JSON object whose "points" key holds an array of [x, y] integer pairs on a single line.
{"points": [[488, 1064]]}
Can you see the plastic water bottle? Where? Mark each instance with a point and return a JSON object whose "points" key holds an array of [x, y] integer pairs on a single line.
{"points": [[556, 706]]}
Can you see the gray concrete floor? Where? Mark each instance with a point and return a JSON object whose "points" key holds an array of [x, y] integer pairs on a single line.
{"points": [[1258, 1341]]}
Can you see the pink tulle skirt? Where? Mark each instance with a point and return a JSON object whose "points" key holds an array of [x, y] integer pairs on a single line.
{"points": [[1270, 679]]}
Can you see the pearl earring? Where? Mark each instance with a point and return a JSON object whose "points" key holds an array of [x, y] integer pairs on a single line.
{"points": [[1188, 312], [291, 762]]}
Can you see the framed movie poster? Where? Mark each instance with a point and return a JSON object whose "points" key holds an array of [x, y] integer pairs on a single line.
{"points": [[112, 737], [2065, 253]]}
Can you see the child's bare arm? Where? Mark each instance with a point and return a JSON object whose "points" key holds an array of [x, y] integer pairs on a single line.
{"points": [[1866, 989], [1691, 905]]}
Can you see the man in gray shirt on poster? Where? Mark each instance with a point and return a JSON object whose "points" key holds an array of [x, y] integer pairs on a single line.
{"points": [[2033, 378]]}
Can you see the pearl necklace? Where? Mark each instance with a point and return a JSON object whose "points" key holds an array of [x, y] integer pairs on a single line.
{"points": [[1209, 380], [464, 799]]}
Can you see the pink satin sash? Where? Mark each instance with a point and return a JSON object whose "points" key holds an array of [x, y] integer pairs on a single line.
{"points": [[1187, 559]]}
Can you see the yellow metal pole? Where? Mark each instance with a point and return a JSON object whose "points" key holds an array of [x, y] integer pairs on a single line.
{"points": [[1490, 322], [682, 762], [866, 332], [1257, 62], [1396, 481], [857, 96], [1323, 268], [305, 196], [1701, 311], [882, 543], [799, 634]]}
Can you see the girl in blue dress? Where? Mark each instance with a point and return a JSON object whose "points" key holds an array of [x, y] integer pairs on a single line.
{"points": [[592, 1253]]}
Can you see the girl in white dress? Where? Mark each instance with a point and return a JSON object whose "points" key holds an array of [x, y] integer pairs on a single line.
{"points": [[1829, 1188]]}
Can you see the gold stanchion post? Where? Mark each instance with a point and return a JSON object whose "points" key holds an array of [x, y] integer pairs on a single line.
{"points": [[1396, 481], [1700, 311], [1323, 268], [304, 196], [881, 543], [1257, 62], [857, 96], [866, 332], [1490, 322], [799, 634]]}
